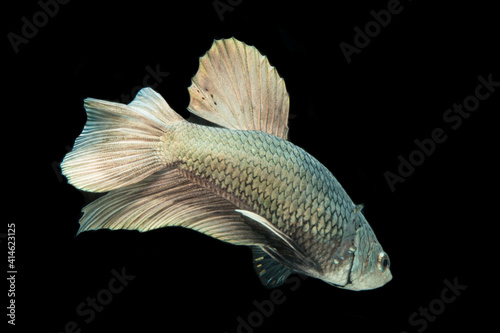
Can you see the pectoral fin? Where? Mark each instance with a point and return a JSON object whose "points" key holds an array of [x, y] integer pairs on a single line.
{"points": [[281, 248], [271, 273]]}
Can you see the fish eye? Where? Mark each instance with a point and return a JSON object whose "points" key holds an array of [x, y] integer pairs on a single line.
{"points": [[383, 261]]}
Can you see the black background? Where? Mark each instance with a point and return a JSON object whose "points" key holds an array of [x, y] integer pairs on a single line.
{"points": [[356, 118]]}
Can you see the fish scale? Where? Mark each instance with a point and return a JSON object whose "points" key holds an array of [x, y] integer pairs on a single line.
{"points": [[228, 161]]}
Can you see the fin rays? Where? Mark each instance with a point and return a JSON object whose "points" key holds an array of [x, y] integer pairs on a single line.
{"points": [[236, 87], [120, 144]]}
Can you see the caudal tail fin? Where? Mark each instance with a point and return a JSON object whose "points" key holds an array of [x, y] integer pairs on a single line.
{"points": [[120, 144]]}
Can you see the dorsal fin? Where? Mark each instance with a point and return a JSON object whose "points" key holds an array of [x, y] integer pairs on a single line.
{"points": [[236, 87]]}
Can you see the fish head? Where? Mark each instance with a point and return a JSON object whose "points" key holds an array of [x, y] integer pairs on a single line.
{"points": [[364, 264], [370, 267]]}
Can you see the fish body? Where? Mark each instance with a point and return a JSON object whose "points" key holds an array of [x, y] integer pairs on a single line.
{"points": [[242, 183], [265, 174]]}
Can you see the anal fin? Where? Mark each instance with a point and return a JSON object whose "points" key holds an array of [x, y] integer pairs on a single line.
{"points": [[281, 248], [167, 198]]}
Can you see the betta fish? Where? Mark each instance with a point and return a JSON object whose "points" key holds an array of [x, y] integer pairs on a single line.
{"points": [[238, 179]]}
